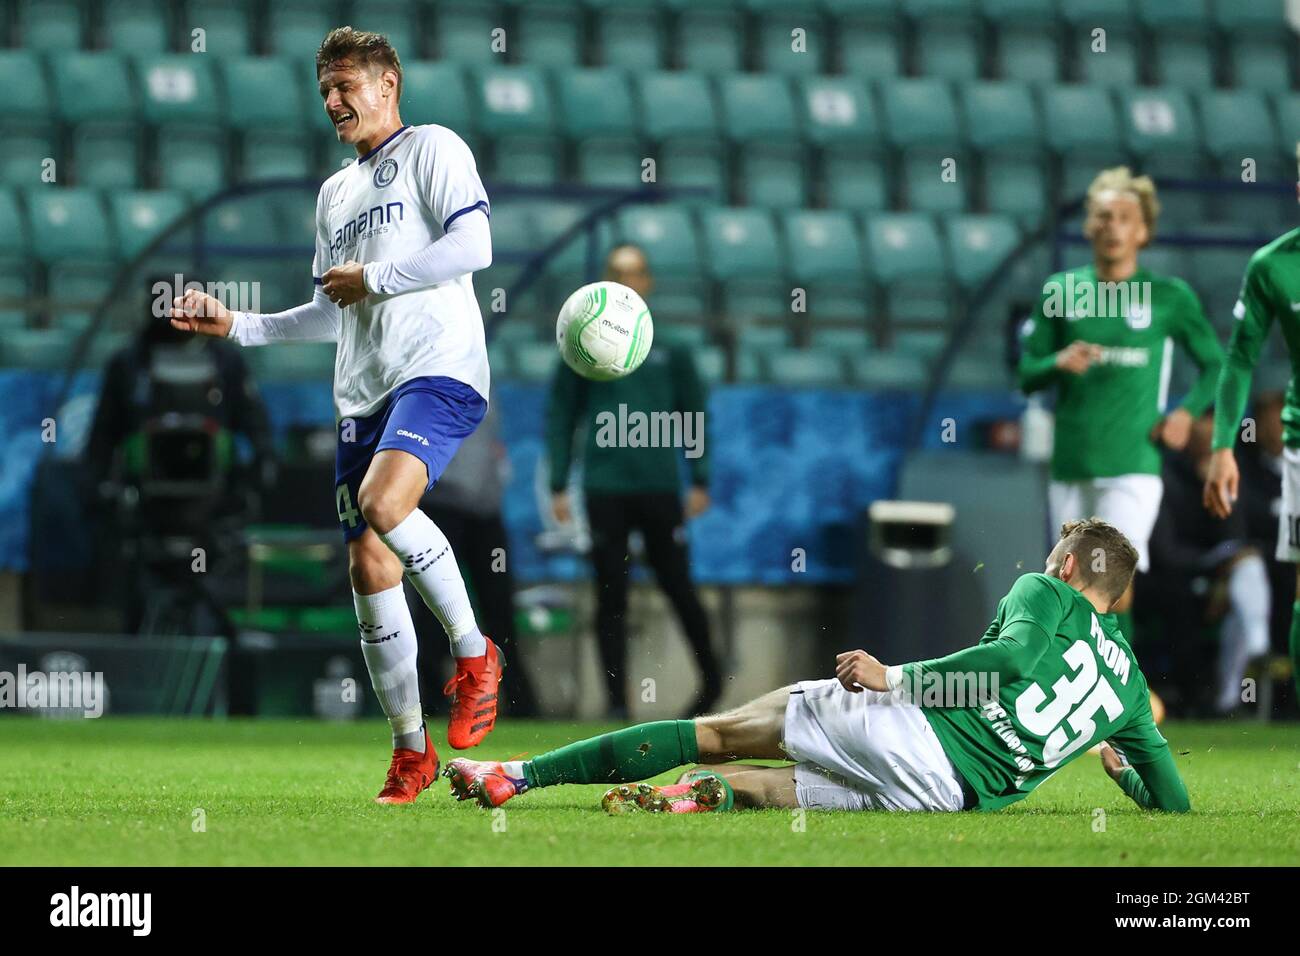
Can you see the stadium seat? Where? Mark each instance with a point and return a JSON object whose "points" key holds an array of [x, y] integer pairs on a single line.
{"points": [[293, 361], [759, 114], [1081, 120], [69, 224], [1260, 63], [837, 110], [536, 362], [76, 288], [978, 245], [55, 25], [512, 100], [754, 335], [37, 349], [92, 86], [869, 45], [464, 31], [227, 26], [1001, 116], [741, 243], [630, 38], [393, 20], [907, 257], [1263, 18], [261, 93], [15, 240], [667, 235], [194, 160], [141, 26], [1237, 124], [925, 345], [676, 106], [549, 35], [842, 339], [947, 39], [887, 371], [178, 89], [856, 181], [297, 27], [23, 159], [806, 368], [435, 93], [30, 100], [777, 51], [106, 155], [16, 288], [598, 117], [710, 40], [920, 112], [822, 245], [1026, 39]]}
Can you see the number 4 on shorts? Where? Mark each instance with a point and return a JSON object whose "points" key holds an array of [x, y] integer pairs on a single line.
{"points": [[343, 501]]}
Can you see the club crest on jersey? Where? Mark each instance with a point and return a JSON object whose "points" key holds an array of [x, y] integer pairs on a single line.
{"points": [[385, 173]]}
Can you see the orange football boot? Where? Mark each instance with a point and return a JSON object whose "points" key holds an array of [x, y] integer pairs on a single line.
{"points": [[484, 781], [410, 773], [473, 693]]}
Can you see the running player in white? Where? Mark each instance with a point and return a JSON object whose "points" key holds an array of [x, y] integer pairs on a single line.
{"points": [[398, 235]]}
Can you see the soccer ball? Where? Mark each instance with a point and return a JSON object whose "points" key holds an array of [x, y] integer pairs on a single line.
{"points": [[604, 331]]}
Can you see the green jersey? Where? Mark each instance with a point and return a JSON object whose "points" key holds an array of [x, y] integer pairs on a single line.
{"points": [[1270, 291], [1066, 680], [1104, 417]]}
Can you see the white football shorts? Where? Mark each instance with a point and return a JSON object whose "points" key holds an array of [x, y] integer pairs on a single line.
{"points": [[866, 751], [1129, 502]]}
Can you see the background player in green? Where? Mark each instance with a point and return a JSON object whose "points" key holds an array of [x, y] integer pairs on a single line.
{"points": [[1270, 292], [870, 739], [1103, 334]]}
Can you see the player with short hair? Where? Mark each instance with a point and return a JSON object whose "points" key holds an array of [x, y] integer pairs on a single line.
{"points": [[399, 234], [1059, 678], [1104, 335], [1270, 292]]}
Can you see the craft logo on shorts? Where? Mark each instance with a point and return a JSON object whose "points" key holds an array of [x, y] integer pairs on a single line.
{"points": [[385, 173], [413, 436]]}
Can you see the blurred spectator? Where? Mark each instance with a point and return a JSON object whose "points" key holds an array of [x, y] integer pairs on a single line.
{"points": [[466, 505], [630, 489], [1204, 569], [163, 453]]}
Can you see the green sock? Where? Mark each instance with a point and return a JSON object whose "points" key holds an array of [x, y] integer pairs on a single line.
{"points": [[1125, 622], [1295, 646], [634, 753]]}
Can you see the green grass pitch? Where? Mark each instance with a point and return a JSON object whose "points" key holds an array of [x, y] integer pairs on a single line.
{"points": [[130, 791]]}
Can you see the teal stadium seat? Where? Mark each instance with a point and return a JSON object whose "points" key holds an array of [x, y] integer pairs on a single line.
{"points": [[55, 25], [69, 223], [515, 108], [1287, 110], [680, 117], [37, 349], [263, 107], [887, 372], [596, 108], [28, 128], [296, 27], [1237, 125], [630, 38], [549, 35], [106, 156], [141, 215], [1003, 124], [838, 111], [77, 287], [227, 26], [777, 44], [742, 243], [16, 289], [806, 368], [825, 258], [15, 241], [710, 40], [1161, 132], [759, 115], [1118, 65], [668, 237], [293, 361], [464, 31], [711, 363], [437, 92], [537, 362], [178, 90], [1026, 38], [921, 120], [140, 26], [395, 21], [92, 86], [842, 339], [978, 245], [907, 258], [1257, 37], [948, 38], [25, 152], [1083, 130], [868, 35]]}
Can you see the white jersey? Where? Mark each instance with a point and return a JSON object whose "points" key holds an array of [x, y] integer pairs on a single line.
{"points": [[388, 205]]}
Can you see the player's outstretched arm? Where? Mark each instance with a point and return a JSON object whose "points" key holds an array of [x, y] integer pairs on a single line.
{"points": [[1152, 786]]}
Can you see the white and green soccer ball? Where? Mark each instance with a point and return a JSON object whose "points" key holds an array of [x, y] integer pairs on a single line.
{"points": [[604, 331]]}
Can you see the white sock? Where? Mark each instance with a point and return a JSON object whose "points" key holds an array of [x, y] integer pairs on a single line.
{"points": [[1244, 635], [389, 647], [427, 558]]}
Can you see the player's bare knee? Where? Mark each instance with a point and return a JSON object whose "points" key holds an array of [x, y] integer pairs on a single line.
{"points": [[382, 509], [372, 567]]}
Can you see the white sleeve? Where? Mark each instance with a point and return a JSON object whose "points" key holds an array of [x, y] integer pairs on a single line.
{"points": [[315, 321], [466, 247], [449, 178]]}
